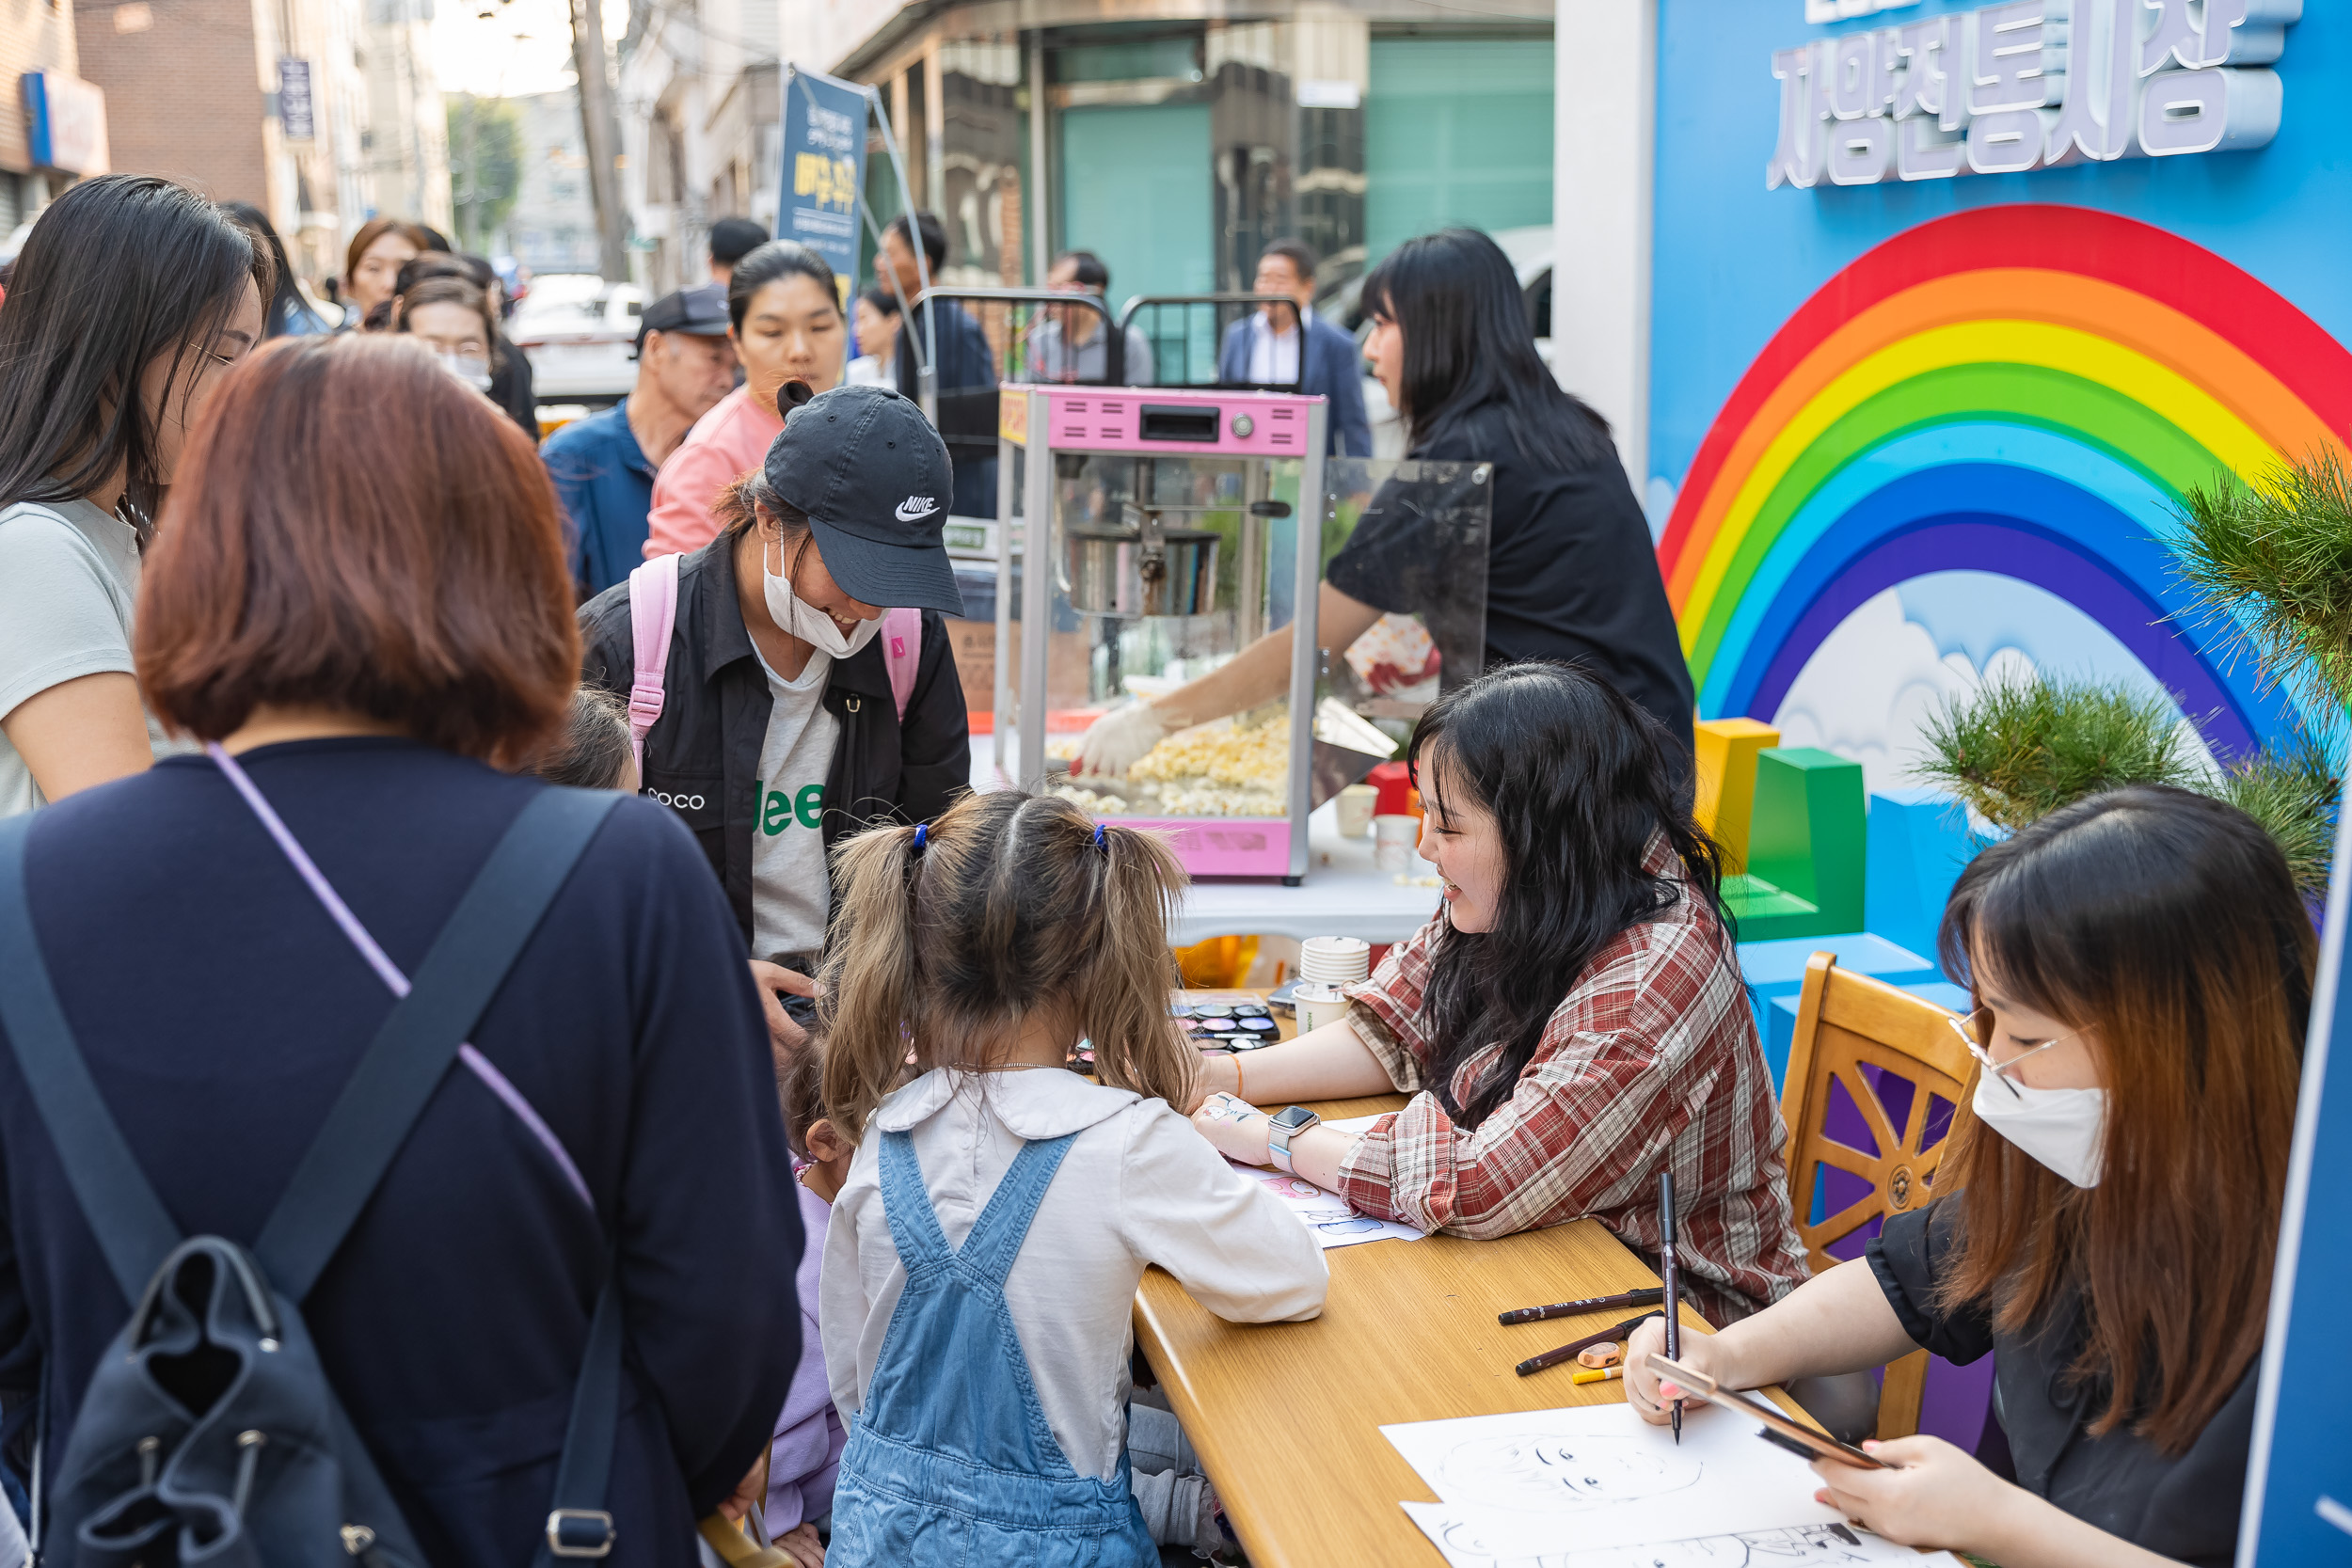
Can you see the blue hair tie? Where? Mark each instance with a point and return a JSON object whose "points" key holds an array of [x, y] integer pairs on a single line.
{"points": [[922, 835], [1097, 836]]}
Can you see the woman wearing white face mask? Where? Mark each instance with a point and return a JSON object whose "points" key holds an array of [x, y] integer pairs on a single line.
{"points": [[2107, 1212], [795, 710]]}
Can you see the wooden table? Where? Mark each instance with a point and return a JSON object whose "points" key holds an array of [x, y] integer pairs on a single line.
{"points": [[1287, 1417]]}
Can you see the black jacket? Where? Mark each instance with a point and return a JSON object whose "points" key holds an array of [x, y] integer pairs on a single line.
{"points": [[702, 756], [454, 1317]]}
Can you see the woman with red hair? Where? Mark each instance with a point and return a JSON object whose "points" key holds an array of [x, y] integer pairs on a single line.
{"points": [[358, 602]]}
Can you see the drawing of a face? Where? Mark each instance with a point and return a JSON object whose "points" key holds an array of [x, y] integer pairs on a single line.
{"points": [[1563, 1472]]}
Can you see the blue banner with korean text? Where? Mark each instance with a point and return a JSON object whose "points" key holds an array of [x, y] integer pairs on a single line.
{"points": [[2298, 1483], [824, 170]]}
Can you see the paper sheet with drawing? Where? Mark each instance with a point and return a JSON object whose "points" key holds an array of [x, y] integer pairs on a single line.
{"points": [[1519, 1489], [1334, 1221], [1467, 1538]]}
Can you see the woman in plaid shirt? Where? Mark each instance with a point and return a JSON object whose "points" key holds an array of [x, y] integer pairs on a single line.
{"points": [[1572, 1019]]}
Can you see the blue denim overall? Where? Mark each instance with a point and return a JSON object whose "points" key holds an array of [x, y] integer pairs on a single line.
{"points": [[951, 1460]]}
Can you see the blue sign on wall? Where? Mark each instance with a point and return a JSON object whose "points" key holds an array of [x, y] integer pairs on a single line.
{"points": [[824, 170], [2298, 1475]]}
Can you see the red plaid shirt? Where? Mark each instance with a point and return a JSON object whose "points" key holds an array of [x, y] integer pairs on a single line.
{"points": [[1649, 1062]]}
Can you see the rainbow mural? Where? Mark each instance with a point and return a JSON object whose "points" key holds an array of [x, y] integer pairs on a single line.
{"points": [[2022, 389]]}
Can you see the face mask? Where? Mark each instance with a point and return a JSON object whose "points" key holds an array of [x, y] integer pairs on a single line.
{"points": [[806, 622], [473, 371], [2063, 1129]]}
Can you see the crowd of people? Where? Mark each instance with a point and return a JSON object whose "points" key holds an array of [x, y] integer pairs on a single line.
{"points": [[754, 1177]]}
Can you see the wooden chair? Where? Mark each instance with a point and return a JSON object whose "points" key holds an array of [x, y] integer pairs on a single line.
{"points": [[1846, 1024]]}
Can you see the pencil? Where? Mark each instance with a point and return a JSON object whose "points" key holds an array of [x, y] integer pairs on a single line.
{"points": [[1666, 1272], [1648, 1296], [1599, 1374], [1567, 1352]]}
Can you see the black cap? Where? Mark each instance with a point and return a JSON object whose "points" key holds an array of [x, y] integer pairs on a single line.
{"points": [[702, 311], [731, 238], [873, 476]]}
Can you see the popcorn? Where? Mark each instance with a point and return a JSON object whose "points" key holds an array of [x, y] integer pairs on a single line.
{"points": [[1231, 768]]}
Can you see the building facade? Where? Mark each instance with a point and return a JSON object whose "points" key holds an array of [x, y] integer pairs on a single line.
{"points": [[700, 129], [322, 112], [553, 226], [38, 38], [406, 145], [1176, 138]]}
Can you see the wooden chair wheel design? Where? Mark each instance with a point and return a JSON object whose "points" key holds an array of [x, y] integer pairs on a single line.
{"points": [[1874, 1041]]}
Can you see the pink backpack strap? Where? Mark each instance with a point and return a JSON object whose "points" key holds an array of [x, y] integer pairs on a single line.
{"points": [[652, 616], [902, 651]]}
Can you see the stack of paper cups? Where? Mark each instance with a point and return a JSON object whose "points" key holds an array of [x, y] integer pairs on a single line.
{"points": [[1334, 960]]}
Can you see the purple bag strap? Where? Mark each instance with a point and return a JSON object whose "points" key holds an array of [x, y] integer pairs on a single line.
{"points": [[652, 616], [388, 970]]}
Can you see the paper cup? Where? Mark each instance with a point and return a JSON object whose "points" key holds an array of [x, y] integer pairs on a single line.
{"points": [[1393, 840], [1355, 810], [1319, 1006], [1334, 960]]}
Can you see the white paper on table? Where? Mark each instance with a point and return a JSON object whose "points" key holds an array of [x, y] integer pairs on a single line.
{"points": [[1610, 1478], [1487, 1538], [1333, 1220], [1357, 1124]]}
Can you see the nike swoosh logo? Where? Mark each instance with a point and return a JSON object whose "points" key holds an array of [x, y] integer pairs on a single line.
{"points": [[916, 508]]}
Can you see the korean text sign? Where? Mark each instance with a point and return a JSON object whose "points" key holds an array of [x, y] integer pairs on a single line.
{"points": [[824, 168], [2028, 85]]}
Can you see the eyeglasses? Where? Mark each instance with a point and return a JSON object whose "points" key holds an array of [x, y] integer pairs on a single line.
{"points": [[1975, 1032]]}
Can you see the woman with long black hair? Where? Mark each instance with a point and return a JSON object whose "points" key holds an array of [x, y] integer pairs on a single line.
{"points": [[1569, 1023], [288, 313], [127, 282], [1571, 573]]}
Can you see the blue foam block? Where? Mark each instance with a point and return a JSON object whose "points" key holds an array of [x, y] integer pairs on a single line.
{"points": [[1918, 841]]}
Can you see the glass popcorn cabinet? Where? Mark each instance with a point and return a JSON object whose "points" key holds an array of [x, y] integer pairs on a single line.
{"points": [[1154, 535]]}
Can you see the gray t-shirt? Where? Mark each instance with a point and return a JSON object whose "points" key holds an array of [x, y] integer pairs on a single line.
{"points": [[69, 574], [791, 898]]}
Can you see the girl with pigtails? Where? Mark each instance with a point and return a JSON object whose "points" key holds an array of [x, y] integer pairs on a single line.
{"points": [[985, 1250]]}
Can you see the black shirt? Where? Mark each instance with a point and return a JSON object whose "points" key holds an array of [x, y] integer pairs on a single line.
{"points": [[222, 1011], [702, 756], [2186, 1509], [1570, 571]]}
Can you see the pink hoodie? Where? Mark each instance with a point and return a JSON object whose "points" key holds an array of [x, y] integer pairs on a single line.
{"points": [[724, 445], [809, 1435]]}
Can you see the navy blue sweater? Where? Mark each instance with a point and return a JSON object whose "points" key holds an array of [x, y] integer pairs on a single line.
{"points": [[222, 1011]]}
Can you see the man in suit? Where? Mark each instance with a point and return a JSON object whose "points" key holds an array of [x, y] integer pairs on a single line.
{"points": [[1265, 348]]}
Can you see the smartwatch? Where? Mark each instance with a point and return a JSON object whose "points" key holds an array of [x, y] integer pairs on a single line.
{"points": [[1287, 1124]]}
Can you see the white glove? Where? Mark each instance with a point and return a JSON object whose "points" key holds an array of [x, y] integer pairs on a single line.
{"points": [[1119, 740]]}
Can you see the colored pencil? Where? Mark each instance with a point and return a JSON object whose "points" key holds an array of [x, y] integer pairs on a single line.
{"points": [[1567, 1352], [1649, 1296], [1666, 1272]]}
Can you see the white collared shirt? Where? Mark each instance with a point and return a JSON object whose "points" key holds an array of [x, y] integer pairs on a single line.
{"points": [[1139, 1186], [1274, 355]]}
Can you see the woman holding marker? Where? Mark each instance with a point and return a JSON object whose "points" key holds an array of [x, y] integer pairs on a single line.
{"points": [[2107, 1211], [1570, 1022]]}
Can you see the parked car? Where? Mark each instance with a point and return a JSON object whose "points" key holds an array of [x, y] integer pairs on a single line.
{"points": [[581, 334]]}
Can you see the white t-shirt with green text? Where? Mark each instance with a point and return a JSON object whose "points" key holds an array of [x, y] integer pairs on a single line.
{"points": [[792, 898]]}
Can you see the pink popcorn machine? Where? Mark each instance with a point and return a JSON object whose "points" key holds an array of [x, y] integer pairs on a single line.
{"points": [[1160, 531]]}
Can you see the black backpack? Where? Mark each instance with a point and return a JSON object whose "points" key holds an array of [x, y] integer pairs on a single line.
{"points": [[209, 1434]]}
